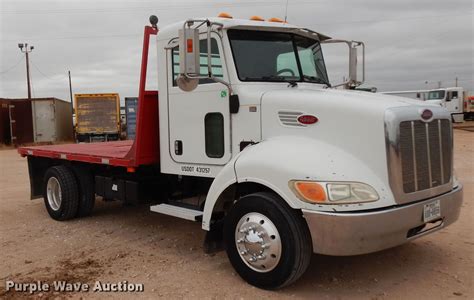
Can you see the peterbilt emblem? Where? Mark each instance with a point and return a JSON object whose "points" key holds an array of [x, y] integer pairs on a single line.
{"points": [[426, 115], [307, 119]]}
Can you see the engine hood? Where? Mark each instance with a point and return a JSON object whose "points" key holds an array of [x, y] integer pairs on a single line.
{"points": [[345, 97], [436, 102], [351, 121]]}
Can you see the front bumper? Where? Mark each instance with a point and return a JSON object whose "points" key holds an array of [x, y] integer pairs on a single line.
{"points": [[356, 233]]}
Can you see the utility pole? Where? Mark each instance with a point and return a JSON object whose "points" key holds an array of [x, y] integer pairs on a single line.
{"points": [[72, 103], [456, 85], [439, 84], [70, 90], [27, 49]]}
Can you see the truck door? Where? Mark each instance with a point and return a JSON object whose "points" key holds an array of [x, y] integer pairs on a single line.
{"points": [[454, 101], [199, 121]]}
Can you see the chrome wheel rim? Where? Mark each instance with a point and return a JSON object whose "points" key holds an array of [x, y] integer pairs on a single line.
{"points": [[53, 193], [258, 242]]}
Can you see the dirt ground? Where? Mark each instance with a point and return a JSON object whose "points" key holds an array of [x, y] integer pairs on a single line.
{"points": [[120, 243]]}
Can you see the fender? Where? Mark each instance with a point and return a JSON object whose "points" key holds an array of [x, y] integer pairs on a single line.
{"points": [[276, 161], [225, 178]]}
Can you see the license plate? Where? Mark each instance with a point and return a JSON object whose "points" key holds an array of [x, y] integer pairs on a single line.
{"points": [[431, 211]]}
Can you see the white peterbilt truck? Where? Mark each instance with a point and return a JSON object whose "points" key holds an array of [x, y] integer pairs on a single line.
{"points": [[455, 99], [248, 138]]}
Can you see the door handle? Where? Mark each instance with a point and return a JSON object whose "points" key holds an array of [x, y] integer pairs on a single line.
{"points": [[178, 147], [234, 104]]}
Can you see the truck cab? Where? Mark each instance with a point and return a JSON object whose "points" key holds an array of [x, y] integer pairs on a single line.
{"points": [[450, 98], [248, 137]]}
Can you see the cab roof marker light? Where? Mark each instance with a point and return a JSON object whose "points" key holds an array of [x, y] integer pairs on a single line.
{"points": [[257, 18], [276, 20], [225, 15]]}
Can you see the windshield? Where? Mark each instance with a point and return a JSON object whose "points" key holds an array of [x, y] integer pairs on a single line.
{"points": [[436, 95], [276, 56]]}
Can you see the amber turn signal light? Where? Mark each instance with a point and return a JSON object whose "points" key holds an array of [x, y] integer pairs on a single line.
{"points": [[310, 191]]}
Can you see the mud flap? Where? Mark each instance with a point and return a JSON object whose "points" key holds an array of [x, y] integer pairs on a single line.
{"points": [[214, 240]]}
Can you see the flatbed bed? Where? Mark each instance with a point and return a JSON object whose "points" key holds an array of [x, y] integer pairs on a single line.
{"points": [[131, 154], [116, 153]]}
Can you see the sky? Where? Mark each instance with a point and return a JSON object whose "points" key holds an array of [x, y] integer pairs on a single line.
{"points": [[410, 45]]}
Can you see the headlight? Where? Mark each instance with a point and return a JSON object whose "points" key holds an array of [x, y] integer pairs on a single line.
{"points": [[333, 192]]}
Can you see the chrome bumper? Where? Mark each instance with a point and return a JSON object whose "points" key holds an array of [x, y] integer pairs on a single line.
{"points": [[356, 233]]}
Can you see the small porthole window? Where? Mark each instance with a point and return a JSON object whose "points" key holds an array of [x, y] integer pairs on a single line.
{"points": [[214, 134]]}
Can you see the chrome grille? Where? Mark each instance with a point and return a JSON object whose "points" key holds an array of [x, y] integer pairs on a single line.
{"points": [[425, 153]]}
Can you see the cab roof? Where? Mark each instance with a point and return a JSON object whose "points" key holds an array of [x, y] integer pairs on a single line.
{"points": [[171, 31]]}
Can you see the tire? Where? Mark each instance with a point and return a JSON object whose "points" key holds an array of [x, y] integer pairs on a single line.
{"points": [[66, 207], [86, 184], [291, 245]]}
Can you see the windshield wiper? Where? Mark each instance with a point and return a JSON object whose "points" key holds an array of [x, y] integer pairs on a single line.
{"points": [[273, 78], [291, 83], [315, 79]]}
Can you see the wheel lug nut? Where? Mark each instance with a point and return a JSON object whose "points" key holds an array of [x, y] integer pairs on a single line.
{"points": [[252, 259], [265, 246], [261, 257], [240, 241]]}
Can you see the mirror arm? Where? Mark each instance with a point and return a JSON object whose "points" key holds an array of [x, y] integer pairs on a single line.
{"points": [[209, 50], [227, 84]]}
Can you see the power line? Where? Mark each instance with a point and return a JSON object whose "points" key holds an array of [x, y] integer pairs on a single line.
{"points": [[399, 19], [160, 8], [130, 36], [13, 66], [44, 75]]}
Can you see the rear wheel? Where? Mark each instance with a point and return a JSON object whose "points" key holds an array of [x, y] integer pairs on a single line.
{"points": [[85, 180], [60, 193], [267, 242]]}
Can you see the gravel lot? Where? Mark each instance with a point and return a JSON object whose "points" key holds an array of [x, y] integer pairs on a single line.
{"points": [[120, 243]]}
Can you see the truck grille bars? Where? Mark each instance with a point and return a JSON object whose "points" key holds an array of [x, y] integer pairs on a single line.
{"points": [[419, 153], [425, 154]]}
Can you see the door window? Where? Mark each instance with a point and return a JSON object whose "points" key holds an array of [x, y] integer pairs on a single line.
{"points": [[214, 135], [216, 63]]}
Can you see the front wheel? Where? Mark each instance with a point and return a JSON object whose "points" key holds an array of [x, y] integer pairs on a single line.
{"points": [[267, 242]]}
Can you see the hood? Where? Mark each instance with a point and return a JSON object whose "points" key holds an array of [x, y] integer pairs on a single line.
{"points": [[352, 121], [435, 102]]}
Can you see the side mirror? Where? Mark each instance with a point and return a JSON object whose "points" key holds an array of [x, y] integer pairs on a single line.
{"points": [[189, 51], [352, 82], [190, 55], [189, 59], [353, 64]]}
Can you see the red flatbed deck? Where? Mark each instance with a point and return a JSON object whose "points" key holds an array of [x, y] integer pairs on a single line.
{"points": [[145, 150], [112, 153]]}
